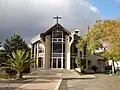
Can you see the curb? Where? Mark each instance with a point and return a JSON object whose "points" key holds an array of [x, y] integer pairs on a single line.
{"points": [[58, 84], [22, 86], [82, 75]]}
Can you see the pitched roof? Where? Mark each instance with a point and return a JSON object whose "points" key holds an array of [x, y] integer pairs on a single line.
{"points": [[56, 25]]}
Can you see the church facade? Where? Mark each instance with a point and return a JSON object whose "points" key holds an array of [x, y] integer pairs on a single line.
{"points": [[55, 48]]}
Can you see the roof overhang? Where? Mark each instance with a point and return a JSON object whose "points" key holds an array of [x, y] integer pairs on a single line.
{"points": [[35, 39]]}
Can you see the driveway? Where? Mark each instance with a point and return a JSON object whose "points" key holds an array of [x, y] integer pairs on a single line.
{"points": [[102, 82]]}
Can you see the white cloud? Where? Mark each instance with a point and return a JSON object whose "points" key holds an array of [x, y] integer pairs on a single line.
{"points": [[30, 17], [94, 9]]}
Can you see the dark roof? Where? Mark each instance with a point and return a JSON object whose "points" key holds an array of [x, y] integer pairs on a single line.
{"points": [[49, 30], [76, 37]]}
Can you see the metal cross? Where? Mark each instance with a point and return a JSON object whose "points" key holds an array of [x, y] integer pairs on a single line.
{"points": [[57, 18]]}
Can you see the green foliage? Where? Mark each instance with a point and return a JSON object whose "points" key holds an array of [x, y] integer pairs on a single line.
{"points": [[3, 57], [15, 43], [0, 44], [108, 69], [18, 61], [108, 32], [80, 44], [113, 53], [105, 31], [79, 61]]}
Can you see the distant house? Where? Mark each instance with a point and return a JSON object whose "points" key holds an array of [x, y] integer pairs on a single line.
{"points": [[98, 61]]}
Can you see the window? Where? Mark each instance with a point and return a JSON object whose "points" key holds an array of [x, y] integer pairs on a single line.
{"points": [[54, 39], [41, 50], [57, 34], [60, 39], [57, 47]]}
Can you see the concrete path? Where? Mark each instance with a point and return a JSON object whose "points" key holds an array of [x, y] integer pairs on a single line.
{"points": [[43, 79], [40, 84], [49, 79]]}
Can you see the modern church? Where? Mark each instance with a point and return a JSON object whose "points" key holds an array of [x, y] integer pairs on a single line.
{"points": [[55, 48]]}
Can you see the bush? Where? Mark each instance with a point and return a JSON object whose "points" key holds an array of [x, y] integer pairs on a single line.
{"points": [[94, 68], [108, 69]]}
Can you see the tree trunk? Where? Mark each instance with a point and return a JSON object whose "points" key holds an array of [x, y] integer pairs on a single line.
{"points": [[19, 75], [113, 67]]}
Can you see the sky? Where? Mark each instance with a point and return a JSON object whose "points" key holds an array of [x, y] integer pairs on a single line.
{"points": [[32, 17], [109, 8]]}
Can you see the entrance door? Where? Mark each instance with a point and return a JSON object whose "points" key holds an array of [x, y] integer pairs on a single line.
{"points": [[101, 65], [72, 63], [59, 62], [56, 63], [40, 62]]}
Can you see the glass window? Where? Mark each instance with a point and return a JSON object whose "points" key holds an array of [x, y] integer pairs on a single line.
{"points": [[63, 47], [57, 47], [57, 55], [54, 39], [60, 39], [57, 34]]}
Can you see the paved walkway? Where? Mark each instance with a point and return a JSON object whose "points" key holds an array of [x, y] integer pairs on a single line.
{"points": [[102, 82], [39, 84], [47, 79], [42, 79]]}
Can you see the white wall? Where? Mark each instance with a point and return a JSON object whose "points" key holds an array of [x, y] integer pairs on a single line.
{"points": [[117, 64]]}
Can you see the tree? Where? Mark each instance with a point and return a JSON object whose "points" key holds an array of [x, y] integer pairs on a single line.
{"points": [[3, 57], [108, 32], [113, 53], [80, 62], [15, 43], [0, 43], [18, 61]]}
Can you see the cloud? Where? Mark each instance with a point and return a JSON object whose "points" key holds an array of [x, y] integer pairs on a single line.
{"points": [[31, 17]]}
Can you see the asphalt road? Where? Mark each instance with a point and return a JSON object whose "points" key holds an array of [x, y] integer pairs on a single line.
{"points": [[102, 82]]}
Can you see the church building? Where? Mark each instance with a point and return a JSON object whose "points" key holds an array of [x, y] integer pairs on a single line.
{"points": [[55, 48]]}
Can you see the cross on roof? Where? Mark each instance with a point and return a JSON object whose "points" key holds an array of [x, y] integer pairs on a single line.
{"points": [[57, 18]]}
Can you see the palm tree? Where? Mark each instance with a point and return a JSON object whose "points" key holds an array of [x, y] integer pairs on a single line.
{"points": [[19, 61]]}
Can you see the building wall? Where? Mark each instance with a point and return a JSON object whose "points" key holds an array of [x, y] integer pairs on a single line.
{"points": [[67, 52], [96, 61], [47, 51], [116, 64]]}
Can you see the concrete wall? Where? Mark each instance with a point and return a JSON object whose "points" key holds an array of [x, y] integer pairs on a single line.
{"points": [[67, 52], [47, 51]]}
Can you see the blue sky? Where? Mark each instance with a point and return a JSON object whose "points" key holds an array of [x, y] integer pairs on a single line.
{"points": [[110, 9]]}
